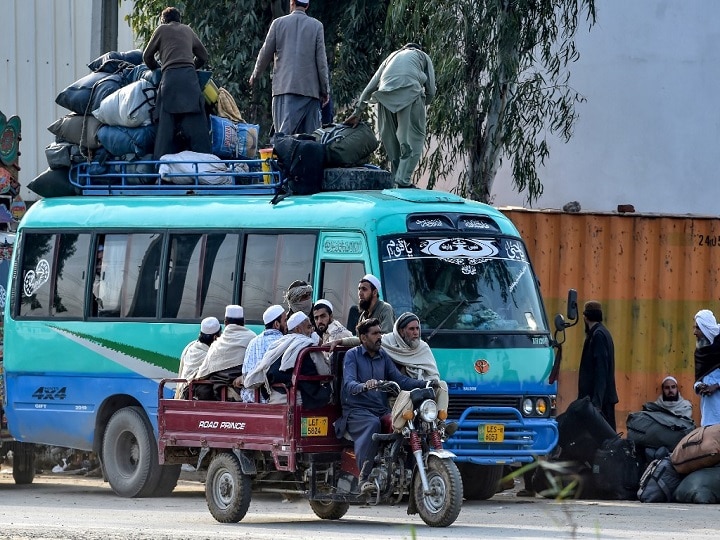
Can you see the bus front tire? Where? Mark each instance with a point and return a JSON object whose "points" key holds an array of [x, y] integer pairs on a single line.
{"points": [[480, 482], [130, 456], [23, 462]]}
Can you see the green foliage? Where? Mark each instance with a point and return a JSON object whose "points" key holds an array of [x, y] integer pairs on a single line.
{"points": [[503, 84]]}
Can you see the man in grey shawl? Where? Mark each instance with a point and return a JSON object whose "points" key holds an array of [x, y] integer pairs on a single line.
{"points": [[274, 372], [224, 360], [672, 400], [195, 352]]}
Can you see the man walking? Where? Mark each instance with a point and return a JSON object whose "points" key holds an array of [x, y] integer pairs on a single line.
{"points": [[596, 378], [402, 86], [300, 83]]}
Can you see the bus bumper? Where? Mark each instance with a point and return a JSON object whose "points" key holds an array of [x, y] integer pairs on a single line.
{"points": [[523, 439]]}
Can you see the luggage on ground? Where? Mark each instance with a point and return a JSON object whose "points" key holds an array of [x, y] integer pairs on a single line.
{"points": [[659, 481], [582, 429], [656, 427], [700, 487], [698, 449], [616, 469]]}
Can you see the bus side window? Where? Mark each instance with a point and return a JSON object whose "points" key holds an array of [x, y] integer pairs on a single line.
{"points": [[270, 264], [70, 275], [38, 256]]}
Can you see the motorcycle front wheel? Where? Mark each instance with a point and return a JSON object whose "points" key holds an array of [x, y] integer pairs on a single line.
{"points": [[439, 507]]}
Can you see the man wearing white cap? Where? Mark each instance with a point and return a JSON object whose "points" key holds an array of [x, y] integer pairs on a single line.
{"points": [[275, 320], [371, 306], [671, 399], [195, 352], [274, 373], [223, 363], [707, 366], [327, 326]]}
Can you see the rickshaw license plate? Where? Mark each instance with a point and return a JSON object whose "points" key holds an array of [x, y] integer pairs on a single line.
{"points": [[491, 433], [314, 426]]}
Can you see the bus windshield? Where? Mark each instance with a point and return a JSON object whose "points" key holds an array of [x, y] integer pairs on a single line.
{"points": [[462, 283]]}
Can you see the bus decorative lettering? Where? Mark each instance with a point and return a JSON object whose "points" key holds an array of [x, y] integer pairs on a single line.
{"points": [[399, 248], [34, 279], [515, 251], [477, 224], [429, 223], [342, 246], [51, 393], [468, 270], [454, 248]]}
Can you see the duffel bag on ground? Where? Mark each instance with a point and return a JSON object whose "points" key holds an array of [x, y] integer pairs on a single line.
{"points": [[698, 449], [700, 487], [659, 481], [658, 427], [347, 146], [616, 469], [582, 429]]}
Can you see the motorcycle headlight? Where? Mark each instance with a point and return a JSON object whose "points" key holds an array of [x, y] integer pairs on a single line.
{"points": [[541, 406], [428, 410], [527, 406]]}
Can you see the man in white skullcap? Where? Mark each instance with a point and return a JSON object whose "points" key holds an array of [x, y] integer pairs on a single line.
{"points": [[707, 366], [326, 325], [671, 399], [195, 352], [371, 307], [274, 372], [275, 320], [224, 360]]}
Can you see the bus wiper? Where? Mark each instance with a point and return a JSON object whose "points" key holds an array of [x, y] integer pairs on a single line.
{"points": [[439, 326]]}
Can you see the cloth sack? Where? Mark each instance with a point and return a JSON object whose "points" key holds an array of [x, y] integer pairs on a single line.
{"points": [[233, 141], [698, 449], [227, 107], [200, 169], [700, 487], [111, 61], [86, 94], [659, 481], [53, 183], [347, 146], [120, 141], [77, 129], [130, 106]]}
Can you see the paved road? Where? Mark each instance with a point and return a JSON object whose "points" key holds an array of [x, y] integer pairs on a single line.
{"points": [[73, 507]]}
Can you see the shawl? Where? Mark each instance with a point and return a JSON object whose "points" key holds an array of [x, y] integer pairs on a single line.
{"points": [[681, 407], [419, 362], [190, 360], [227, 351], [288, 347], [334, 331]]}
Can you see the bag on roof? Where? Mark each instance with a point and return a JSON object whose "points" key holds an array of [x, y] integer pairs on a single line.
{"points": [[231, 140], [130, 106], [347, 146], [120, 141], [181, 168], [86, 94], [111, 61], [301, 162]]}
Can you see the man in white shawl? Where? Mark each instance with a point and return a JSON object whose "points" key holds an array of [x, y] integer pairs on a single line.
{"points": [[414, 358], [274, 372], [224, 360], [672, 400], [194, 354]]}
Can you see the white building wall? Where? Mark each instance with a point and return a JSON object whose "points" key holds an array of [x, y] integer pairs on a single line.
{"points": [[45, 45], [649, 132]]}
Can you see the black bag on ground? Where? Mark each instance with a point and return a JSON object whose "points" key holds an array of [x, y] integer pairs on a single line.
{"points": [[655, 427], [616, 469], [582, 429], [347, 146], [549, 483], [659, 482], [301, 162], [700, 487]]}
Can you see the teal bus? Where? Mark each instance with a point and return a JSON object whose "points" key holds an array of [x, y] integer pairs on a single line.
{"points": [[106, 291]]}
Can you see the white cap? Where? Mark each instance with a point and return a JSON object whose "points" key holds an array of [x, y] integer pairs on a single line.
{"points": [[323, 302], [372, 279], [234, 312], [272, 313], [210, 326], [295, 319]]}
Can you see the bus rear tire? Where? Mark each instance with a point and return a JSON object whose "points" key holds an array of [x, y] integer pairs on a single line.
{"points": [[480, 482], [130, 455], [169, 475], [23, 462]]}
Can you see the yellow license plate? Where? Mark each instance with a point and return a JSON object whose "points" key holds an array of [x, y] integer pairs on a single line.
{"points": [[491, 433], [314, 426]]}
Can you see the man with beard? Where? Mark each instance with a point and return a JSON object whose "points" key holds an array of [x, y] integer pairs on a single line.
{"points": [[364, 366], [671, 399], [275, 321], [371, 306], [596, 377], [707, 366], [326, 325]]}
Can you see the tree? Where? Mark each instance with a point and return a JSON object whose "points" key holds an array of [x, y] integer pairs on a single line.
{"points": [[503, 84], [234, 30]]}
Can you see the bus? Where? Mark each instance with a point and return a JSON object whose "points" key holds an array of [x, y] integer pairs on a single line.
{"points": [[106, 291]]}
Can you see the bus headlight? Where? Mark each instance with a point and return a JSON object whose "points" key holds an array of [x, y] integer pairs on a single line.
{"points": [[428, 410], [527, 406], [541, 406]]}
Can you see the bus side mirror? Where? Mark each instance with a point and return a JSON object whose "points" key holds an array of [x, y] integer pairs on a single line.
{"points": [[572, 307]]}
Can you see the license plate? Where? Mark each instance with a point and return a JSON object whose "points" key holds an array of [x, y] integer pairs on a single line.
{"points": [[314, 426], [491, 433]]}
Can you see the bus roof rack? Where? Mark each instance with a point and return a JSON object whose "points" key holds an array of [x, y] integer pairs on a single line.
{"points": [[147, 177]]}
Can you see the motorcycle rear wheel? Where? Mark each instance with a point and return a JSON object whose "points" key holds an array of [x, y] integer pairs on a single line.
{"points": [[440, 507]]}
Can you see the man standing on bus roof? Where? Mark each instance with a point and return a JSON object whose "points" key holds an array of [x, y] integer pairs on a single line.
{"points": [[195, 352], [364, 366], [275, 320], [224, 360], [596, 377], [371, 306]]}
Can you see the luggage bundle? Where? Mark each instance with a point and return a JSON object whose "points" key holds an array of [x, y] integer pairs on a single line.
{"points": [[698, 449], [616, 469], [233, 140], [657, 427], [659, 481]]}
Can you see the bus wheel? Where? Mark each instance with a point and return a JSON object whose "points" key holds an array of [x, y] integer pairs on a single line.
{"points": [[169, 475], [329, 509], [130, 456], [23, 462], [480, 482], [227, 489]]}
